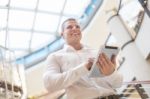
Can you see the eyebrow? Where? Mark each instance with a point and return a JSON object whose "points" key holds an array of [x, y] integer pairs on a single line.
{"points": [[73, 26]]}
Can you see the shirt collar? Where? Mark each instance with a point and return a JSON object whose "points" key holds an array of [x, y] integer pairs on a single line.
{"points": [[70, 48]]}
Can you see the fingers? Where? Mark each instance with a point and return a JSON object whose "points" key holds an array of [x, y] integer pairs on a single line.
{"points": [[113, 59], [91, 60], [102, 70], [90, 63], [102, 61], [107, 60], [106, 66], [103, 65]]}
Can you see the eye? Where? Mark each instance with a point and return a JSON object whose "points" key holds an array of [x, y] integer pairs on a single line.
{"points": [[77, 26], [69, 27]]}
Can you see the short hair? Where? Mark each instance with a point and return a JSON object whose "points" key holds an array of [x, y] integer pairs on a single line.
{"points": [[63, 24]]}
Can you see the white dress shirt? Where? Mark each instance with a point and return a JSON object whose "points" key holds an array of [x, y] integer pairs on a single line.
{"points": [[66, 70]]}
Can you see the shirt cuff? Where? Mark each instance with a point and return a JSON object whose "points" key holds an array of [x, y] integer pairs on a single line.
{"points": [[112, 75]]}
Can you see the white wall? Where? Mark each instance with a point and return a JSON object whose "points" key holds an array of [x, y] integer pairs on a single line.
{"points": [[34, 79], [135, 64]]}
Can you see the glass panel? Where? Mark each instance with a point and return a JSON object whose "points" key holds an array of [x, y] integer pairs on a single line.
{"points": [[132, 12], [30, 4], [40, 40], [76, 7], [51, 5], [46, 22], [2, 38], [21, 19], [3, 18], [3, 2], [19, 53], [19, 40]]}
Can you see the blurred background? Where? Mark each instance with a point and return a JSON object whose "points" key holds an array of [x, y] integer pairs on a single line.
{"points": [[29, 31]]}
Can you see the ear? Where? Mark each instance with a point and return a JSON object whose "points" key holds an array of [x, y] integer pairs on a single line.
{"points": [[61, 34]]}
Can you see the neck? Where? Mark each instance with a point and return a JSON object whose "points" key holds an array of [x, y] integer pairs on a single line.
{"points": [[76, 46]]}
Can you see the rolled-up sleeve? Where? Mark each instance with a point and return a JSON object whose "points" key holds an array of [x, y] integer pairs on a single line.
{"points": [[115, 79], [55, 80]]}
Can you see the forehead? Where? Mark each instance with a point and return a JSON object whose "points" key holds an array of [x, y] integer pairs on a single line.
{"points": [[70, 22]]}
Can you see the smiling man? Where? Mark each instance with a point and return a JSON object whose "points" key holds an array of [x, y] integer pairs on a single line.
{"points": [[69, 67]]}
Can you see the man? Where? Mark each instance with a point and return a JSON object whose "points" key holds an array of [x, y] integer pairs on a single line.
{"points": [[69, 67]]}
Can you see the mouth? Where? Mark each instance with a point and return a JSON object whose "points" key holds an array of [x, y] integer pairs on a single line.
{"points": [[75, 33]]}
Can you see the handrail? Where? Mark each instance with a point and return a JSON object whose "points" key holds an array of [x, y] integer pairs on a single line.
{"points": [[135, 85], [49, 95], [124, 83], [15, 87], [137, 82]]}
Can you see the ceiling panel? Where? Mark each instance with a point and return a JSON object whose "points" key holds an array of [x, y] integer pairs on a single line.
{"points": [[3, 18], [20, 19], [46, 22], [30, 4], [76, 7], [51, 5], [3, 2], [40, 40], [2, 38], [18, 40]]}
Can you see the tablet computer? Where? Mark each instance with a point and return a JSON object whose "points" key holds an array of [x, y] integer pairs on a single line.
{"points": [[109, 51]]}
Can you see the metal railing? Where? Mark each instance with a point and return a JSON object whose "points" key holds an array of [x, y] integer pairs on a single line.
{"points": [[129, 90]]}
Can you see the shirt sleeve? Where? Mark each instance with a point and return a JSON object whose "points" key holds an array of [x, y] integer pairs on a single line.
{"points": [[115, 79], [55, 80]]}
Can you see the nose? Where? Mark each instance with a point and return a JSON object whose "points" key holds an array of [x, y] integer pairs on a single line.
{"points": [[76, 27]]}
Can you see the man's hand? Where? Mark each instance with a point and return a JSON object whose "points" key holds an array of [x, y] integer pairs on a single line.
{"points": [[89, 63], [106, 66]]}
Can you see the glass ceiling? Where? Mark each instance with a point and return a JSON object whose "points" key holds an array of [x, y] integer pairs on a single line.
{"points": [[28, 25], [30, 28]]}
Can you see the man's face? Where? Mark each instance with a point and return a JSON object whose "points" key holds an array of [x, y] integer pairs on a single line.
{"points": [[72, 33]]}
